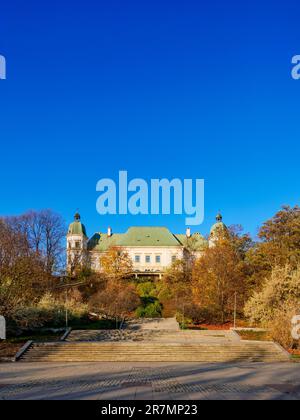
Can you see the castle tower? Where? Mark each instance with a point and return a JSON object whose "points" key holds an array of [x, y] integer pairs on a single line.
{"points": [[76, 244], [218, 231]]}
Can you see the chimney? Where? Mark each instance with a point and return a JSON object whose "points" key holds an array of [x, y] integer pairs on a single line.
{"points": [[109, 232], [188, 232]]}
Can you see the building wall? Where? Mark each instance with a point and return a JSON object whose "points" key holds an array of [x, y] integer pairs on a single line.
{"points": [[166, 255], [75, 253]]}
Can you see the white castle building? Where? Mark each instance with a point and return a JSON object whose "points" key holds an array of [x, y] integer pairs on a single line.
{"points": [[152, 249]]}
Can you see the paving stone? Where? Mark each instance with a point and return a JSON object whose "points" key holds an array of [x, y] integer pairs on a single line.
{"points": [[163, 382]]}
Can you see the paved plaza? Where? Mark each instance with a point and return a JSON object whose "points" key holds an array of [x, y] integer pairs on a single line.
{"points": [[150, 381]]}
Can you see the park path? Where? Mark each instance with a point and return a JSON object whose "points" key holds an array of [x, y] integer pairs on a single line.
{"points": [[153, 324]]}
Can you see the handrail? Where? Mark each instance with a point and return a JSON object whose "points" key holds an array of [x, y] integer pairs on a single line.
{"points": [[67, 332], [122, 324], [23, 350]]}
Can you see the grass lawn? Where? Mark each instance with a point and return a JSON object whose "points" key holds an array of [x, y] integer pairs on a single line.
{"points": [[296, 358], [295, 354]]}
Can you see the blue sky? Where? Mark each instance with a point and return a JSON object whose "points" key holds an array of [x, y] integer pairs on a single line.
{"points": [[158, 88]]}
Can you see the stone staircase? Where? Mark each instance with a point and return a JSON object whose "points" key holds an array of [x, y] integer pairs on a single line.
{"points": [[154, 340], [161, 336], [155, 352]]}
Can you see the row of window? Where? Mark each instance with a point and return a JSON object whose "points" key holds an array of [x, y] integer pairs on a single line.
{"points": [[148, 260], [77, 245]]}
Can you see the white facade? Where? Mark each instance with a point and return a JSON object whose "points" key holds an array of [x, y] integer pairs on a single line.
{"points": [[144, 259], [147, 259], [158, 250]]}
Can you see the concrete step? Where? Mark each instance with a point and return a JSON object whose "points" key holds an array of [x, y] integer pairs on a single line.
{"points": [[160, 336], [153, 352]]}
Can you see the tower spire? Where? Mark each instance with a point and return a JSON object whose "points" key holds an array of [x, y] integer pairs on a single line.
{"points": [[219, 217], [77, 216]]}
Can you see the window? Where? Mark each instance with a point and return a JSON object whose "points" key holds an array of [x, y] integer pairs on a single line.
{"points": [[77, 245], [157, 259], [148, 259], [137, 259], [174, 258]]}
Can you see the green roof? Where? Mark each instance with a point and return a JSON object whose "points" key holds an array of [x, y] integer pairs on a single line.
{"points": [[77, 228], [197, 241], [143, 237], [101, 241], [149, 236], [181, 238]]}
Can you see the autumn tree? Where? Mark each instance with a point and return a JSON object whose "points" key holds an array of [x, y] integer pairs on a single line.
{"points": [[116, 264], [22, 275], [277, 303], [118, 297], [281, 288], [175, 288], [117, 300], [282, 234], [79, 264], [31, 250], [242, 242], [45, 232], [217, 276], [279, 244]]}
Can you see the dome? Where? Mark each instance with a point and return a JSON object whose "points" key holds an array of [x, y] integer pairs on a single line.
{"points": [[77, 228], [219, 229]]}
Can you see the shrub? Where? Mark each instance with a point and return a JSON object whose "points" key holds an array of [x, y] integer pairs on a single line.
{"points": [[146, 289], [280, 327], [183, 321], [152, 310], [276, 304], [140, 312], [204, 315], [29, 318], [280, 290], [49, 311], [196, 314], [118, 300]]}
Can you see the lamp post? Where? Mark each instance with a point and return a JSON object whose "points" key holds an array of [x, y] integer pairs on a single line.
{"points": [[235, 309], [66, 286], [66, 305]]}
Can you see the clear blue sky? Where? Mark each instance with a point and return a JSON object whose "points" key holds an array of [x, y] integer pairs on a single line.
{"points": [[159, 88]]}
